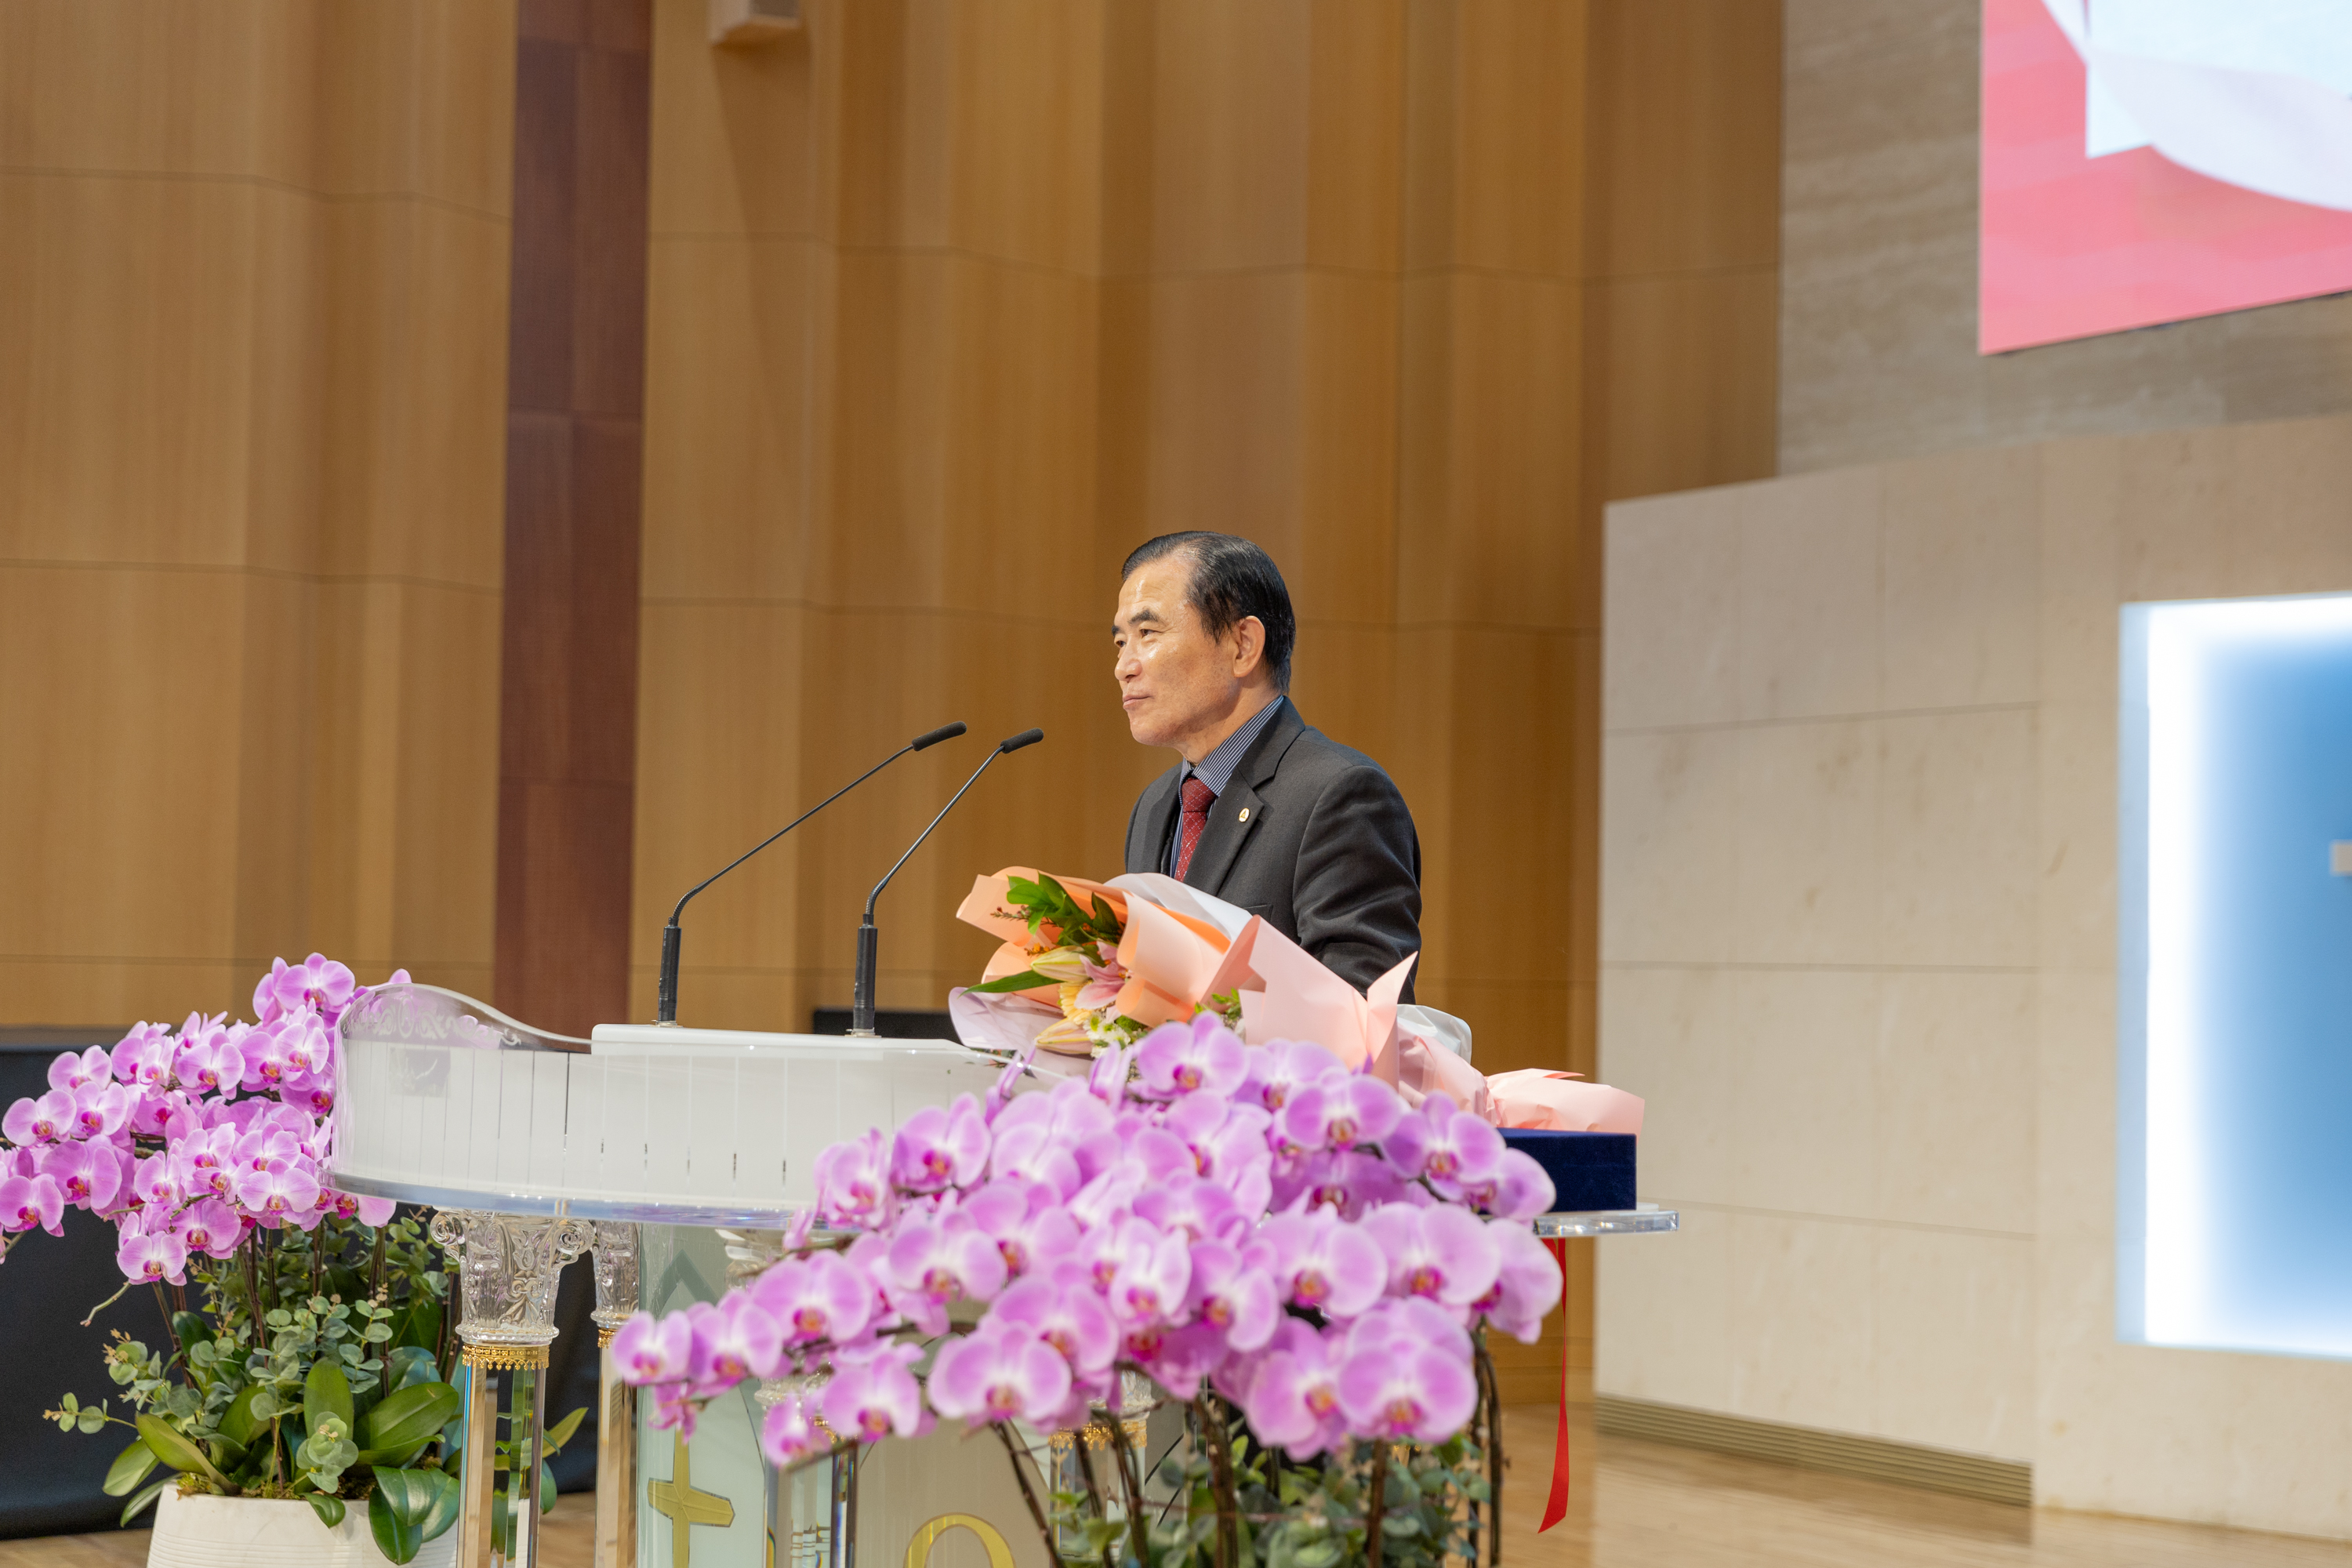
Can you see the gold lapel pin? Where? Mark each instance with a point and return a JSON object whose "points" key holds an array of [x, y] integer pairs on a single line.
{"points": [[1244, 817]]}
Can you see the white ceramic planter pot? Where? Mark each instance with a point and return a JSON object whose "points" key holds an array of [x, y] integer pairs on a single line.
{"points": [[254, 1532]]}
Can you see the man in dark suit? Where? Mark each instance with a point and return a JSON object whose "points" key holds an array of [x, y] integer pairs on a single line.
{"points": [[1259, 810]]}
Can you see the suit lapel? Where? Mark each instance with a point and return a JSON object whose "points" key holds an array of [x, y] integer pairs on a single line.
{"points": [[1220, 841], [1155, 820]]}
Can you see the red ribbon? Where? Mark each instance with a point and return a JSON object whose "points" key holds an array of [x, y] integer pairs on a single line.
{"points": [[1556, 1508]]}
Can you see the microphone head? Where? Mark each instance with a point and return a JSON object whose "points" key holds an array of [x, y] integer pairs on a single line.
{"points": [[932, 738], [1027, 738]]}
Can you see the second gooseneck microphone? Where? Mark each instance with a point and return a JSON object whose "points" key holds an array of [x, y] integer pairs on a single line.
{"points": [[861, 1012], [672, 937]]}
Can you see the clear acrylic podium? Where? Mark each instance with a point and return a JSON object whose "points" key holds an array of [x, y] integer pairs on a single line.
{"points": [[689, 1150]]}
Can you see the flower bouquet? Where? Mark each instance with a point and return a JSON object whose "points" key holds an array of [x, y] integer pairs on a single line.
{"points": [[306, 1329], [1084, 966], [1279, 1248]]}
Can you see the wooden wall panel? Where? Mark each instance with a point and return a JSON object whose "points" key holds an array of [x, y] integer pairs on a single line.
{"points": [[252, 311], [954, 303]]}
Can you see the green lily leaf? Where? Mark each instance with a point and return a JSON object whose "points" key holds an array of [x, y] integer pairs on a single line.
{"points": [[407, 1366], [404, 1503], [147, 1496], [178, 1451], [408, 1420], [330, 1509], [444, 1512], [129, 1468], [1027, 980], [238, 1422], [326, 1392], [419, 1323], [553, 1439]]}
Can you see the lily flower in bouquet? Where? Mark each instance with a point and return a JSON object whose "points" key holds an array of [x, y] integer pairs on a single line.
{"points": [[306, 1329], [1282, 1248], [1086, 952]]}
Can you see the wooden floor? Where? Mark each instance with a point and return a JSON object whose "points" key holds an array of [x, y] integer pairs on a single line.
{"points": [[1642, 1505]]}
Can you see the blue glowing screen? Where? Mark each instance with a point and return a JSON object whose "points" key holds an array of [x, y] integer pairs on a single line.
{"points": [[2234, 1222]]}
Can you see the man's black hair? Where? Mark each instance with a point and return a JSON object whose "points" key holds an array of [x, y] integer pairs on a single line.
{"points": [[1231, 581]]}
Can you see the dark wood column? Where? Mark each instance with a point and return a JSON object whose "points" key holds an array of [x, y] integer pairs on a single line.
{"points": [[575, 401]]}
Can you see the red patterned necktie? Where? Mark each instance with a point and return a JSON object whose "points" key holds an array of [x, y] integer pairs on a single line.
{"points": [[1197, 799]]}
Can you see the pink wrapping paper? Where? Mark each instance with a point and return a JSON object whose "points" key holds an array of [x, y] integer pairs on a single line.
{"points": [[1176, 962]]}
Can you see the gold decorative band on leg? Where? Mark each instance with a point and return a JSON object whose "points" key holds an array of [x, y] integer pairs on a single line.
{"points": [[1097, 1435], [503, 1358], [605, 1338]]}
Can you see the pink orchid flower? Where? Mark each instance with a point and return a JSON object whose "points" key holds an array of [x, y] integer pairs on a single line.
{"points": [[1527, 1284], [651, 1351], [1320, 1261], [1404, 1377], [40, 1120], [1031, 1227], [939, 1148], [1142, 1271], [1000, 1372], [29, 1201], [71, 1071], [87, 1174], [1062, 1312], [1233, 1296], [1292, 1398], [144, 1055], [790, 1433], [933, 1262], [853, 1182], [1441, 1253], [1449, 1147], [154, 1257], [285, 1194], [817, 1300], [872, 1395], [318, 984], [1336, 1113], [1285, 1067], [1180, 1058], [211, 1228], [736, 1340]]}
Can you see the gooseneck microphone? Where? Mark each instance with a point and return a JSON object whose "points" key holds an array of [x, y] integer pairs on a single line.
{"points": [[667, 1006], [861, 1009]]}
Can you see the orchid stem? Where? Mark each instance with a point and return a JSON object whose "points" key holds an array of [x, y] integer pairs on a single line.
{"points": [[1210, 1417], [1131, 1486], [1491, 1389], [1375, 1505], [1028, 1493]]}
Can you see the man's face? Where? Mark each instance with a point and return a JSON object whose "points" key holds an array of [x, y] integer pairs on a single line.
{"points": [[1175, 680]]}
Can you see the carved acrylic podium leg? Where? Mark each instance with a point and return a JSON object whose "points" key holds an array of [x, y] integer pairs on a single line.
{"points": [[616, 1418], [508, 1266]]}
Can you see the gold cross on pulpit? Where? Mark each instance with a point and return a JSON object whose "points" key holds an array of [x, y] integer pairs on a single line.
{"points": [[677, 1501]]}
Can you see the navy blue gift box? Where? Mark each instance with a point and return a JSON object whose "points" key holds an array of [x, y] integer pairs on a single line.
{"points": [[1588, 1170]]}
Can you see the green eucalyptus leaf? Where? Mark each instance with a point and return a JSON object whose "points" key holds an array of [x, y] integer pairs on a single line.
{"points": [[91, 1420], [330, 1509], [129, 1468], [176, 1450], [146, 1497]]}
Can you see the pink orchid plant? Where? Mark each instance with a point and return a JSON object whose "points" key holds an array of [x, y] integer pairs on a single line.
{"points": [[1259, 1232], [307, 1327]]}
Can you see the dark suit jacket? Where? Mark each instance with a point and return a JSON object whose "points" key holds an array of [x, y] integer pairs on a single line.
{"points": [[1326, 853]]}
